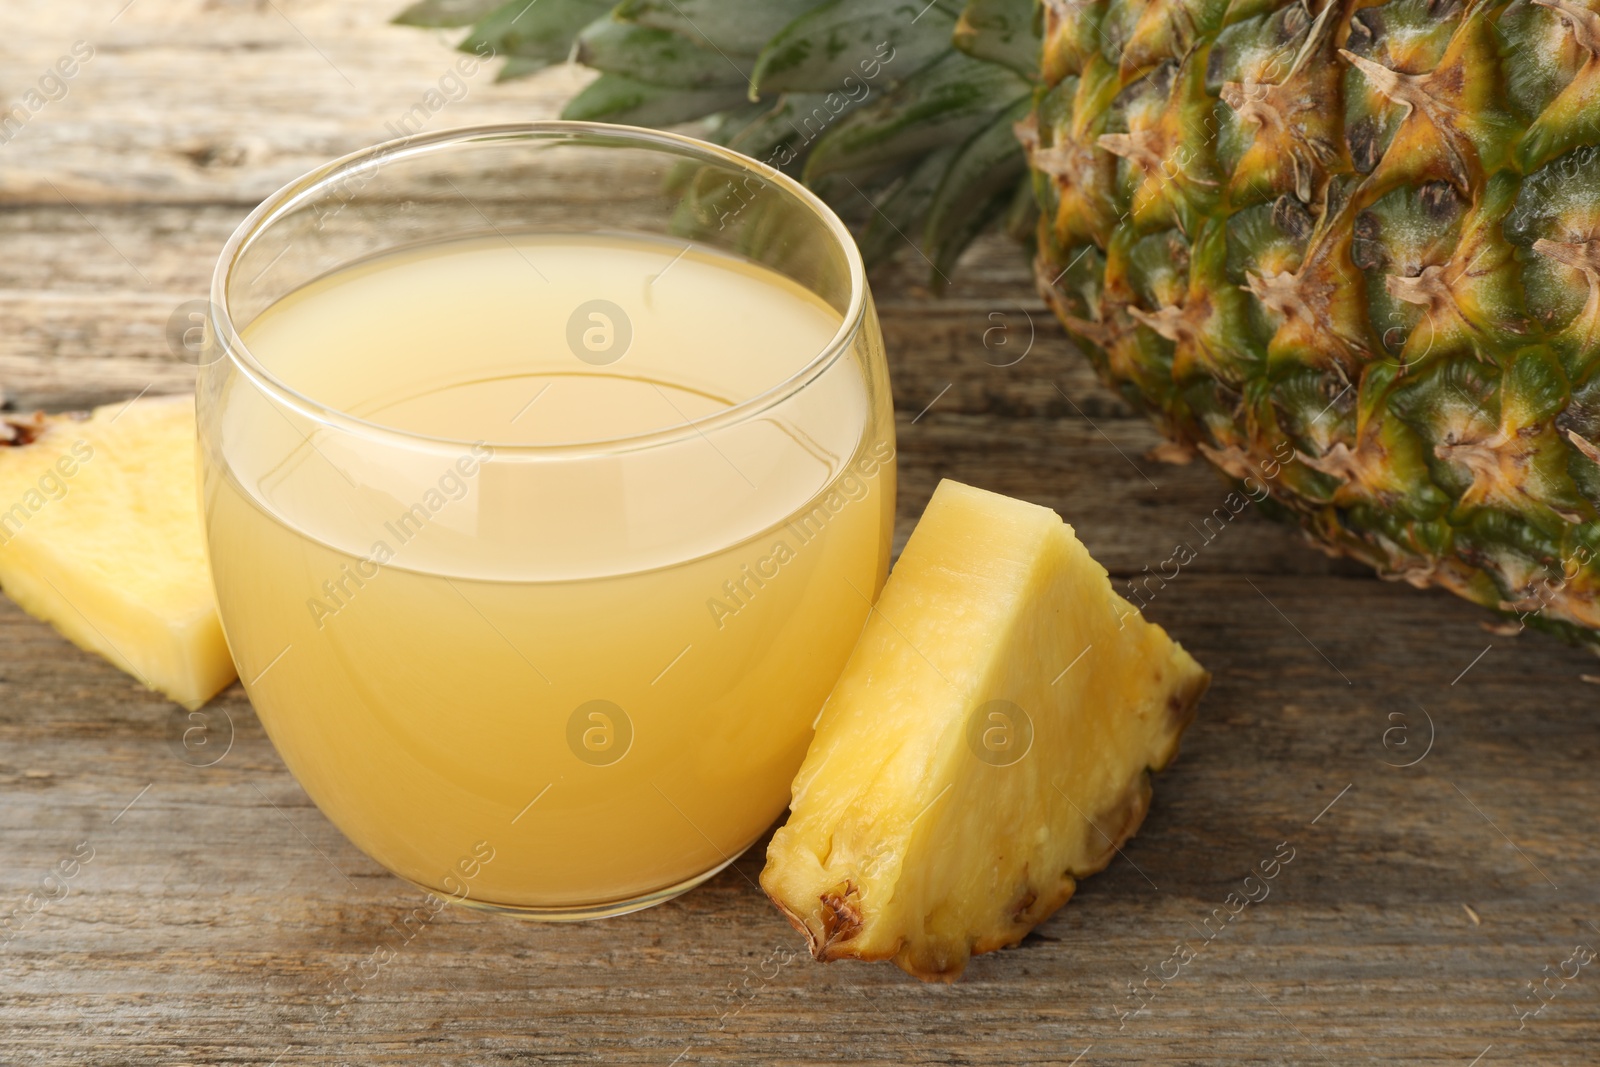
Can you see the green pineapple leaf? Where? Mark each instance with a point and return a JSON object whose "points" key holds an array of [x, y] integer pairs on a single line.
{"points": [[947, 101], [659, 57], [781, 136], [738, 27], [447, 13], [517, 67], [978, 187], [728, 127], [1001, 31], [868, 101], [542, 31], [619, 98], [896, 219], [854, 39]]}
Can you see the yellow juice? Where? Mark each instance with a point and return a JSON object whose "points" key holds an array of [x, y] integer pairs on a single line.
{"points": [[548, 677]]}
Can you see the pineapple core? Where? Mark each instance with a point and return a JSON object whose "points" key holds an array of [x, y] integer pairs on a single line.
{"points": [[989, 742], [100, 536]]}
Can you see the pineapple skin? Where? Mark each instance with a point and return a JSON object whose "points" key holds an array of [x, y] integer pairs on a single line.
{"points": [[903, 843], [100, 536], [1350, 252]]}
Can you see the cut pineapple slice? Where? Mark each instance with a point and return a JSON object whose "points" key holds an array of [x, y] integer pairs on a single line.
{"points": [[100, 536], [988, 743]]}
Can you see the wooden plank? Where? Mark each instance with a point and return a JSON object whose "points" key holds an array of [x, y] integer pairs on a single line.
{"points": [[221, 911], [221, 914], [204, 877], [188, 102]]}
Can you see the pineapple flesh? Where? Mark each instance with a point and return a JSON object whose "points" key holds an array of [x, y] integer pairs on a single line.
{"points": [[988, 744], [100, 536]]}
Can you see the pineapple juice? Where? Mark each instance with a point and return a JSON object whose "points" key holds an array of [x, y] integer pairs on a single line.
{"points": [[543, 678]]}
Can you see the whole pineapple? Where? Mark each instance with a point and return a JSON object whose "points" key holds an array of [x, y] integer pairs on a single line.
{"points": [[1349, 251], [1353, 255]]}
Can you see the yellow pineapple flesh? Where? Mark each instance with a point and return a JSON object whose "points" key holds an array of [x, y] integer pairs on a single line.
{"points": [[988, 744], [100, 536]]}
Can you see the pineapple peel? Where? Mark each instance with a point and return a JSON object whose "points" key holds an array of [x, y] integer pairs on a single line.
{"points": [[988, 744], [100, 536]]}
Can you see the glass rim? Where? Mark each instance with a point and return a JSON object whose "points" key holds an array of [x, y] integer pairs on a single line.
{"points": [[313, 182]]}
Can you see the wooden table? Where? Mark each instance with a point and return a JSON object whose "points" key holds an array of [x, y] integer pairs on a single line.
{"points": [[221, 915]]}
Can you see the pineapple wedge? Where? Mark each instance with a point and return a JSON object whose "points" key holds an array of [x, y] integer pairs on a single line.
{"points": [[988, 743], [100, 536]]}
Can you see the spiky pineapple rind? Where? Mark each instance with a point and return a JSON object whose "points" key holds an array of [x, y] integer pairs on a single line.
{"points": [[1410, 372]]}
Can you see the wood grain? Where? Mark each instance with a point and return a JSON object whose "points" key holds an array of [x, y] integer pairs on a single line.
{"points": [[221, 913]]}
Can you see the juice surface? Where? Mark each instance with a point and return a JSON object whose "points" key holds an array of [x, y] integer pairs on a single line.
{"points": [[601, 672]]}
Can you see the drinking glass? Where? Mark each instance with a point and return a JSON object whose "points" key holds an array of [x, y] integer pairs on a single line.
{"points": [[542, 513]]}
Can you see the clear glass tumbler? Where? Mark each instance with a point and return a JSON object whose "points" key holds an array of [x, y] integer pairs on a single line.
{"points": [[549, 477]]}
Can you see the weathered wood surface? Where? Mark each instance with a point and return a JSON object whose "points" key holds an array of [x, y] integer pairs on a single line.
{"points": [[221, 915]]}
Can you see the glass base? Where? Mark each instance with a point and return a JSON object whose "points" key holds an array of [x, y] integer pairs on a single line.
{"points": [[582, 912]]}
